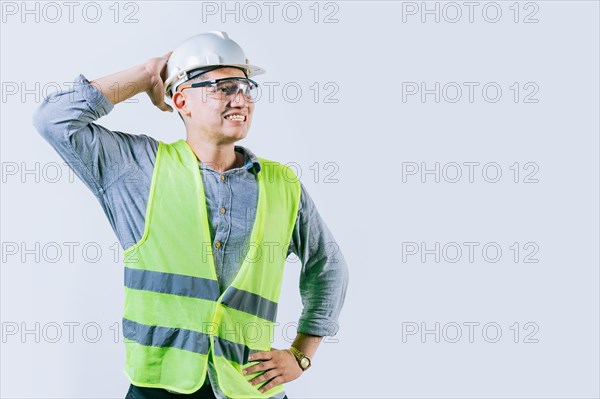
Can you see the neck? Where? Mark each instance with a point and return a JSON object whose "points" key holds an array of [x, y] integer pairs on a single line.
{"points": [[220, 157]]}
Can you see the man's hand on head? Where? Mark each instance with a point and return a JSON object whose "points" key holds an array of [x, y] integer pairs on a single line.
{"points": [[157, 74]]}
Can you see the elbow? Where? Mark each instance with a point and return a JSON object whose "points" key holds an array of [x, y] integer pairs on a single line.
{"points": [[52, 118], [41, 119], [37, 119]]}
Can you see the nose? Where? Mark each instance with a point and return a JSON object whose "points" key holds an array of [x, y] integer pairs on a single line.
{"points": [[239, 99]]}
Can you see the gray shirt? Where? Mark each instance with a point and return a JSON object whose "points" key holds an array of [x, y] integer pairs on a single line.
{"points": [[117, 167]]}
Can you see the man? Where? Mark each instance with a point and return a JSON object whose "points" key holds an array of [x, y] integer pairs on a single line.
{"points": [[200, 326]]}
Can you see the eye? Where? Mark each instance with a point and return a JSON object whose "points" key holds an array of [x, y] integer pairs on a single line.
{"points": [[228, 88]]}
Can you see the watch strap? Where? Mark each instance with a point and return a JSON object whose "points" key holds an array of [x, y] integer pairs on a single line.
{"points": [[299, 357]]}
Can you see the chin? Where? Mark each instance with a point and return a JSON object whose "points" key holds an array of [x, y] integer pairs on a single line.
{"points": [[237, 136], [240, 133]]}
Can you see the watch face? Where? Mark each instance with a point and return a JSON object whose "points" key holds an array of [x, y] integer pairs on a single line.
{"points": [[304, 363]]}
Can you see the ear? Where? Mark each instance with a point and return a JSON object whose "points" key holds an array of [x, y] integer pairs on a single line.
{"points": [[180, 103]]}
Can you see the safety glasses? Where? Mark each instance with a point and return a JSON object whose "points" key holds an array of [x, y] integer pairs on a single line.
{"points": [[226, 88]]}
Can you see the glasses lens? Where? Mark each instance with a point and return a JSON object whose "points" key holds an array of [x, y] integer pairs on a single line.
{"points": [[229, 88]]}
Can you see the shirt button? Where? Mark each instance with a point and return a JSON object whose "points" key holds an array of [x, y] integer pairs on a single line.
{"points": [[222, 211], [222, 177], [218, 244]]}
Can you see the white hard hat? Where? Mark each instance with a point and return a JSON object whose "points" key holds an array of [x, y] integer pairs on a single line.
{"points": [[208, 49]]}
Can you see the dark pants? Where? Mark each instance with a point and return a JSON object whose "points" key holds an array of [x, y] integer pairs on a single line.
{"points": [[156, 393]]}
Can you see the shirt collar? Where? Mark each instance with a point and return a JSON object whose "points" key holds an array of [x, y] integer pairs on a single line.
{"points": [[251, 162]]}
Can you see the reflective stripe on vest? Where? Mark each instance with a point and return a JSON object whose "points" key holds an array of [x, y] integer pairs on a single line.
{"points": [[175, 317]]}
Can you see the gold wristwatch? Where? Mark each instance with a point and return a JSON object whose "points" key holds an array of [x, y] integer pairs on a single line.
{"points": [[303, 360]]}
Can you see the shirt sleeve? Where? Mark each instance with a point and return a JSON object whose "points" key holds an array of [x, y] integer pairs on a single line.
{"points": [[324, 274], [97, 155]]}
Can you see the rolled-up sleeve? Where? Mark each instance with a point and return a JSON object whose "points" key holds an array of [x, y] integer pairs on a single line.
{"points": [[324, 274], [65, 119]]}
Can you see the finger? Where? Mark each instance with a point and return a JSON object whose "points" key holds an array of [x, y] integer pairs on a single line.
{"points": [[163, 106], [262, 366], [260, 356], [266, 376], [271, 384], [158, 99], [162, 65]]}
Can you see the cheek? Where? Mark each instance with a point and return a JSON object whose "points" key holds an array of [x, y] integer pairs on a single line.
{"points": [[217, 110], [214, 114]]}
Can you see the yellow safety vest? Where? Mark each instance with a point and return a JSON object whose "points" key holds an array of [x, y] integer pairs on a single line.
{"points": [[174, 315]]}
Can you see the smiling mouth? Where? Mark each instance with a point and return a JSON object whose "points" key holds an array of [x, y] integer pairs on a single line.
{"points": [[236, 117]]}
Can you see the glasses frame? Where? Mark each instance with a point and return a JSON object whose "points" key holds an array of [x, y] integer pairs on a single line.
{"points": [[216, 81]]}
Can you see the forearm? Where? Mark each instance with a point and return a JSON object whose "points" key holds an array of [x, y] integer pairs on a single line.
{"points": [[120, 86], [307, 344], [324, 275]]}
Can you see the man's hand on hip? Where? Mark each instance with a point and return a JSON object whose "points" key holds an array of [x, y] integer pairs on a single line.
{"points": [[280, 366]]}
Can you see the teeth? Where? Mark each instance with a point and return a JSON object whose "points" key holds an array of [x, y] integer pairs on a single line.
{"points": [[235, 117]]}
